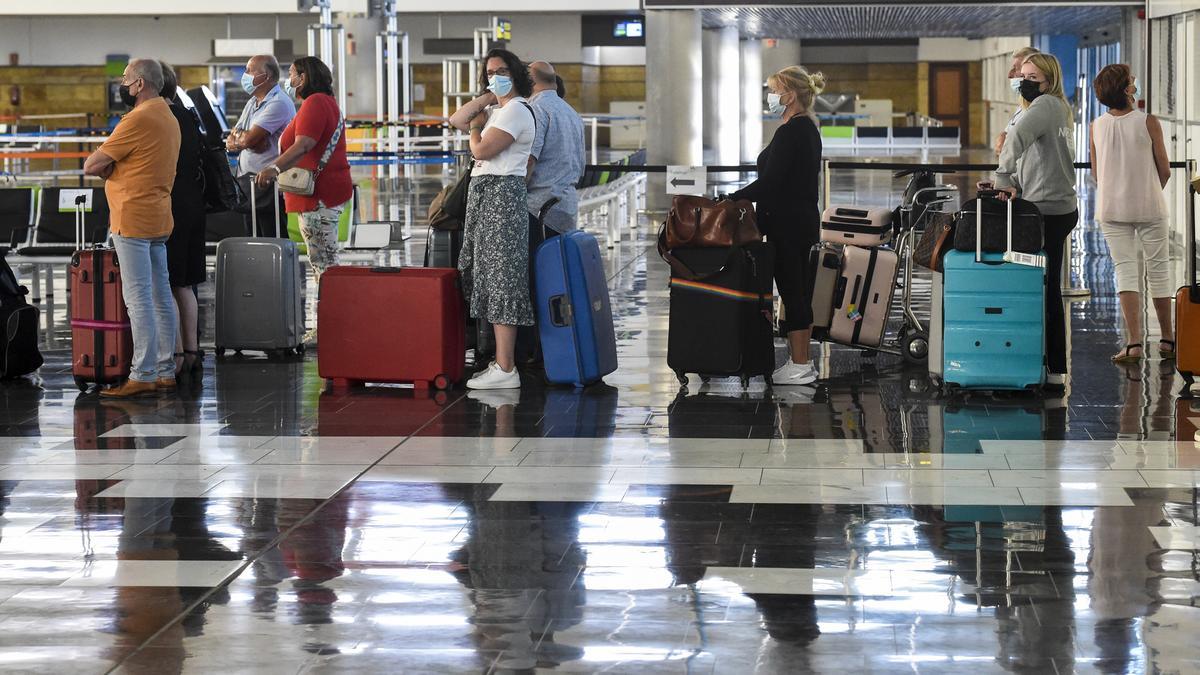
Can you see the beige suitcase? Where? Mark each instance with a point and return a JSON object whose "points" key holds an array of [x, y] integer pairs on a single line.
{"points": [[824, 270], [864, 296]]}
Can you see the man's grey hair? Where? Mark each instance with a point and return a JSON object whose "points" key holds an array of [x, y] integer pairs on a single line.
{"points": [[542, 72], [271, 65], [148, 70], [1025, 52]]}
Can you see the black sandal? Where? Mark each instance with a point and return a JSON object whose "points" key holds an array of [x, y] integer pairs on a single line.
{"points": [[1126, 357], [197, 360], [1166, 353], [181, 362]]}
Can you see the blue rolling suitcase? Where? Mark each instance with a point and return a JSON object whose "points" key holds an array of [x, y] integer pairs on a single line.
{"points": [[579, 345], [994, 333]]}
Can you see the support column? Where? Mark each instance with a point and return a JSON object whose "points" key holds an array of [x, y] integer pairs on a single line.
{"points": [[722, 74], [752, 104], [674, 123]]}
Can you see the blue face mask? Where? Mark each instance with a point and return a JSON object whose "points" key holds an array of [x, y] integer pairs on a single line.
{"points": [[1014, 83], [500, 85], [1137, 91], [248, 83], [288, 88]]}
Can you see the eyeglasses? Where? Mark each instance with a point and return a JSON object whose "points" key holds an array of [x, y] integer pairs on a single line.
{"points": [[129, 82], [505, 72]]}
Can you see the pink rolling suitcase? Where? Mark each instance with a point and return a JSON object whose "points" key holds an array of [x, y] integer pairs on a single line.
{"points": [[864, 296], [856, 226]]}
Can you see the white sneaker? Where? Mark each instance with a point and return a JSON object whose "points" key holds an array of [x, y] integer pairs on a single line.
{"points": [[493, 377], [794, 373]]}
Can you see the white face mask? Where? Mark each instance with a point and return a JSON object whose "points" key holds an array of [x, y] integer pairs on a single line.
{"points": [[1014, 83], [774, 104]]}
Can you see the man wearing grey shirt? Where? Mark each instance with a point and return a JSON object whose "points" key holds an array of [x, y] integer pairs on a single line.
{"points": [[256, 136], [556, 158]]}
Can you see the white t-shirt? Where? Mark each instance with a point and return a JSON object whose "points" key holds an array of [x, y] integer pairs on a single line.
{"points": [[516, 120]]}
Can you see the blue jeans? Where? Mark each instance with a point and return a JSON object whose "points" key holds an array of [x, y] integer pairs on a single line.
{"points": [[147, 290]]}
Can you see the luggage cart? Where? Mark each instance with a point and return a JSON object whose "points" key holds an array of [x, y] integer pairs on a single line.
{"points": [[916, 212], [911, 339]]}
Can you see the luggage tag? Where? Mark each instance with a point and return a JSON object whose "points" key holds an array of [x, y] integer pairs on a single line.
{"points": [[853, 314]]}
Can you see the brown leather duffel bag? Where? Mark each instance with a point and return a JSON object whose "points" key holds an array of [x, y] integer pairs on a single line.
{"points": [[698, 222]]}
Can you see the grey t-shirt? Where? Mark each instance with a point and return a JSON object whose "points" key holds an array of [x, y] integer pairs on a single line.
{"points": [[558, 149], [273, 114]]}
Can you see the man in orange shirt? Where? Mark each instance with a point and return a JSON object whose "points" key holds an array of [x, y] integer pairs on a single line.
{"points": [[138, 163]]}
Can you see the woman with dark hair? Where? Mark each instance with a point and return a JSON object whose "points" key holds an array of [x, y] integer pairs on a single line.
{"points": [[315, 136], [1129, 160], [185, 247], [495, 256]]}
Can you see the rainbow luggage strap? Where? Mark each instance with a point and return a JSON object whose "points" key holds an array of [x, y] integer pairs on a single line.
{"points": [[719, 291]]}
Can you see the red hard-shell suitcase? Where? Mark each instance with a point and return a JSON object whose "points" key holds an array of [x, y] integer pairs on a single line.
{"points": [[101, 340], [391, 324]]}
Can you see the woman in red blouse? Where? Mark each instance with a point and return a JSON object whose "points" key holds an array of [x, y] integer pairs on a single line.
{"points": [[302, 144]]}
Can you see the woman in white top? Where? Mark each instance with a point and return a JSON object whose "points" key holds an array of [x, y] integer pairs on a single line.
{"points": [[495, 255], [1129, 161]]}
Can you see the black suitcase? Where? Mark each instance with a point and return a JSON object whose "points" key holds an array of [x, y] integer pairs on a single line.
{"points": [[442, 248], [721, 322], [1027, 226], [19, 354]]}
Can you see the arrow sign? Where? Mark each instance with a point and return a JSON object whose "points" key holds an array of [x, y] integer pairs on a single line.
{"points": [[687, 180]]}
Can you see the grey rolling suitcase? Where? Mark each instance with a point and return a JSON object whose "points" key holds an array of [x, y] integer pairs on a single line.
{"points": [[442, 248], [259, 305], [935, 329]]}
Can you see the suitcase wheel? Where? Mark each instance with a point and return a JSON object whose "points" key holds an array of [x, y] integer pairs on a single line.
{"points": [[745, 382], [441, 382], [300, 349], [682, 377], [220, 351], [915, 347], [82, 384]]}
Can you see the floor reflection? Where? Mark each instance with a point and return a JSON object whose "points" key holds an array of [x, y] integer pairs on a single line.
{"points": [[258, 522]]}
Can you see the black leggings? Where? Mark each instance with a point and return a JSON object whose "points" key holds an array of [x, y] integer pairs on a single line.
{"points": [[792, 278], [1058, 231]]}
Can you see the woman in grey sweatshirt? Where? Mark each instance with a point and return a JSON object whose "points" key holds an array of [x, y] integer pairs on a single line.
{"points": [[1038, 164]]}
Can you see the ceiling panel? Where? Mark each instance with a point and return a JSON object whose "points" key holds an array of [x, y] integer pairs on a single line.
{"points": [[873, 22]]}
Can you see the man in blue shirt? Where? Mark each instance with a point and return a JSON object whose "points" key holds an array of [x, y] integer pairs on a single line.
{"points": [[256, 136], [556, 158]]}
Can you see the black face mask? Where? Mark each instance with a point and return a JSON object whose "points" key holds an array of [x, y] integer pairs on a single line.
{"points": [[1030, 90], [126, 97]]}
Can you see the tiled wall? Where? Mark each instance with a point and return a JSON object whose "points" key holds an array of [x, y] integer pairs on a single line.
{"points": [[47, 90]]}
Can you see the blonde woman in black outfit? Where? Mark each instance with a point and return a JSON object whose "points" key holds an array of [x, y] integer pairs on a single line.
{"points": [[786, 196]]}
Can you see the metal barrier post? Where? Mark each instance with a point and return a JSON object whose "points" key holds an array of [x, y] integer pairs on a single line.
{"points": [[595, 140]]}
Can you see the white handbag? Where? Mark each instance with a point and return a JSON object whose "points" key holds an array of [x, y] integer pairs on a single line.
{"points": [[303, 182]]}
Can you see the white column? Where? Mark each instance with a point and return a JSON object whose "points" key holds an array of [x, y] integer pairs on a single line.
{"points": [[674, 121], [727, 134], [751, 101]]}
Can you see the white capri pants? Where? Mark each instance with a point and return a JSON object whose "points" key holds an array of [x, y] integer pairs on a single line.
{"points": [[1124, 240]]}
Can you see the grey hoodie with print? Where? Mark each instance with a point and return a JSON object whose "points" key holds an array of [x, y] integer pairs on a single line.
{"points": [[1039, 156]]}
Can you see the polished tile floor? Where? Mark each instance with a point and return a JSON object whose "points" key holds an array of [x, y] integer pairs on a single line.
{"points": [[258, 523]]}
